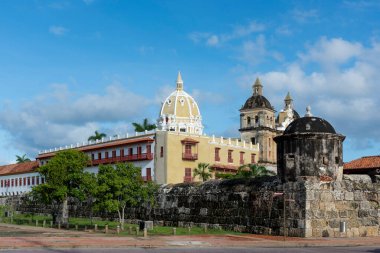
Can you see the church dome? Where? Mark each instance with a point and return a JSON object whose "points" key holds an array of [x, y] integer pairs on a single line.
{"points": [[309, 124], [180, 112], [257, 101]]}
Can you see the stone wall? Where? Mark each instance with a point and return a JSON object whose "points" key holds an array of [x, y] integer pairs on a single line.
{"points": [[314, 208], [354, 200]]}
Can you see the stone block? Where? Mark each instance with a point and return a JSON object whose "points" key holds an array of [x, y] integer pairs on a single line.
{"points": [[332, 214], [317, 232], [365, 205], [358, 195], [343, 214], [338, 195], [349, 196], [326, 196], [203, 211], [362, 231]]}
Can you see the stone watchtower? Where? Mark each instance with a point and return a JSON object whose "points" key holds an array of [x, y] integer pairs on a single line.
{"points": [[310, 147], [257, 124]]}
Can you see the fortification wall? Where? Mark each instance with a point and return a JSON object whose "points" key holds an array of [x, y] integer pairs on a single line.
{"points": [[314, 208]]}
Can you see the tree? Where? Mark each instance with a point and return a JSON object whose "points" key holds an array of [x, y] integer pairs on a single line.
{"points": [[64, 176], [203, 171], [253, 171], [22, 159], [97, 136], [145, 126], [89, 188], [121, 186]]}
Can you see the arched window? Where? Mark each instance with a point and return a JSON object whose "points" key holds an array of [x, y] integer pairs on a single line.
{"points": [[248, 121]]}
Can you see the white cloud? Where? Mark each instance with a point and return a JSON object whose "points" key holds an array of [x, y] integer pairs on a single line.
{"points": [[339, 78], [213, 40], [207, 96], [332, 51], [237, 32], [59, 117], [303, 16], [58, 30], [255, 51]]}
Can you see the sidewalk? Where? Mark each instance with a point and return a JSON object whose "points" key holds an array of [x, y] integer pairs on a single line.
{"points": [[15, 237]]}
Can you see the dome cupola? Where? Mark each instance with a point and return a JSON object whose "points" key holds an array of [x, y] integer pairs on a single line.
{"points": [[180, 112]]}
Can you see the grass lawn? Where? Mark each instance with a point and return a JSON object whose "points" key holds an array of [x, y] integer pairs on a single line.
{"points": [[129, 229]]}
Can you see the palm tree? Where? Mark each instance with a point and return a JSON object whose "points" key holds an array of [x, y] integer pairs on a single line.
{"points": [[145, 126], [22, 159], [97, 136], [253, 171], [203, 171]]}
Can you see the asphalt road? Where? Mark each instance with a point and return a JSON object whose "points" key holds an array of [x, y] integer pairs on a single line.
{"points": [[203, 250]]}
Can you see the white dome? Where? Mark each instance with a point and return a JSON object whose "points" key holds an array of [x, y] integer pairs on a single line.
{"points": [[180, 112]]}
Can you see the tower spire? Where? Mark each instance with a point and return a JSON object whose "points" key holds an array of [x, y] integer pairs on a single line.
{"points": [[179, 81], [288, 100], [257, 87]]}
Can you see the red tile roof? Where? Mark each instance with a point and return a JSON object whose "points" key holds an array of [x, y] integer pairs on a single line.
{"points": [[366, 162], [103, 145], [18, 168]]}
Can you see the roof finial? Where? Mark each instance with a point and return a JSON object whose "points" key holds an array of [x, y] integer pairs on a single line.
{"points": [[257, 87], [179, 81], [308, 111]]}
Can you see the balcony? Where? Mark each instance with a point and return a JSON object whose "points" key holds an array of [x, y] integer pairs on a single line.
{"points": [[190, 157], [126, 158], [187, 179]]}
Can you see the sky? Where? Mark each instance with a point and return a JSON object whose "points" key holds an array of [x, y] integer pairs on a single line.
{"points": [[68, 68]]}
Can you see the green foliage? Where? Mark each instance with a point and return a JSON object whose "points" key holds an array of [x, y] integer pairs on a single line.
{"points": [[203, 171], [254, 171], [64, 177], [120, 187], [97, 136], [22, 159], [145, 126]]}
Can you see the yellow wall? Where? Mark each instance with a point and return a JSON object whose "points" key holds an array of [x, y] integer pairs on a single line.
{"points": [[171, 167]]}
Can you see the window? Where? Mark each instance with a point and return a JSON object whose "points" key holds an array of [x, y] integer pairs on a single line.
{"points": [[92, 157], [188, 149], [99, 155], [37, 180], [230, 160], [113, 153], [139, 150], [217, 157], [187, 177], [20, 181], [337, 159], [148, 149], [28, 181], [33, 181], [253, 140], [253, 158], [13, 182], [130, 151], [16, 182], [42, 180], [241, 157], [256, 119], [25, 181], [248, 121], [106, 154], [121, 152], [1, 183], [162, 151]]}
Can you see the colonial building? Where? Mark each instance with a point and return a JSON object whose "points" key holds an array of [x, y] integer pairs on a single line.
{"points": [[166, 155], [259, 125], [18, 178]]}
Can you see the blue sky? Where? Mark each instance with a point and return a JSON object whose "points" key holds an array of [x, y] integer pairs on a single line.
{"points": [[69, 68]]}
